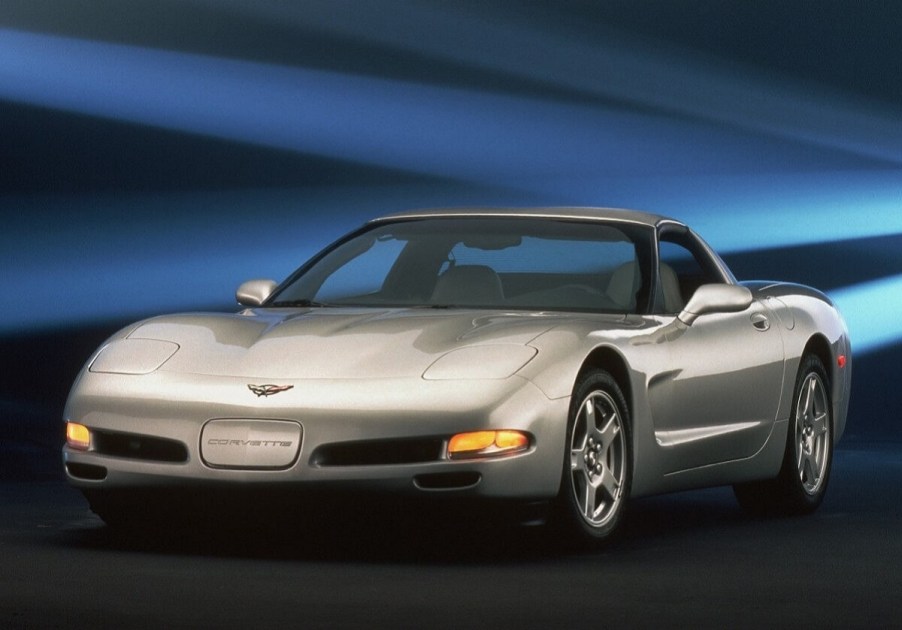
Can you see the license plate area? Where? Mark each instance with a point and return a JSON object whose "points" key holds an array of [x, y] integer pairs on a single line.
{"points": [[250, 444]]}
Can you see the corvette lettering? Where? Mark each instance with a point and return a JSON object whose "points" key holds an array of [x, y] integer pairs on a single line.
{"points": [[225, 442], [269, 389]]}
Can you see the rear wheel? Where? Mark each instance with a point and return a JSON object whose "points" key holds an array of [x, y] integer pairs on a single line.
{"points": [[597, 462], [802, 482]]}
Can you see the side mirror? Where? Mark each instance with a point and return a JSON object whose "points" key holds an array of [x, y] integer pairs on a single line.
{"points": [[254, 292], [715, 298]]}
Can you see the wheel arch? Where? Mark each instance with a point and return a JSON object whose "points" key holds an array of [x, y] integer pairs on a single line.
{"points": [[608, 359], [820, 347], [837, 379]]}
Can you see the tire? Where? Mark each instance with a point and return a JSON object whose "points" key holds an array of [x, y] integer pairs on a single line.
{"points": [[598, 467], [802, 482]]}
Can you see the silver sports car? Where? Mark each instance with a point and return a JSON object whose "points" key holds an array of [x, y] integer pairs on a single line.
{"points": [[565, 356]]}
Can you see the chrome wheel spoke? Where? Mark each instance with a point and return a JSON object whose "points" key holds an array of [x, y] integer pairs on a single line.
{"points": [[609, 485], [819, 424], [609, 431], [589, 409], [809, 391], [807, 470], [590, 501], [578, 462], [800, 453]]}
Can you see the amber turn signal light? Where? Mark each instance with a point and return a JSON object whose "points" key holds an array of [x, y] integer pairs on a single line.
{"points": [[78, 436], [476, 444]]}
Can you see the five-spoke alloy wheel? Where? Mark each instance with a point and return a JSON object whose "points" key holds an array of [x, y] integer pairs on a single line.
{"points": [[598, 464], [812, 433]]}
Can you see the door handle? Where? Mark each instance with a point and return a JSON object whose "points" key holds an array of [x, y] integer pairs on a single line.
{"points": [[760, 321]]}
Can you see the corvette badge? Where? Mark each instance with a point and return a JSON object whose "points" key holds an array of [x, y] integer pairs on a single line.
{"points": [[268, 390]]}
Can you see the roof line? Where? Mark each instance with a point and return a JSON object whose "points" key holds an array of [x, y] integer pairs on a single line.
{"points": [[578, 213]]}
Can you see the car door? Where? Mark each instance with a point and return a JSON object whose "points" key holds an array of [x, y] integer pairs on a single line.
{"points": [[717, 399]]}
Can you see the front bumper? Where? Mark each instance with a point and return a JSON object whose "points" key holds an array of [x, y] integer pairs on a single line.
{"points": [[364, 435]]}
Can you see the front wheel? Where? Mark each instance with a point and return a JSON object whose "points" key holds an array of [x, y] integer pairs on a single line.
{"points": [[597, 462], [802, 482]]}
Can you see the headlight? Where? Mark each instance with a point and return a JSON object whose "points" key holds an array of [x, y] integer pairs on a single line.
{"points": [[133, 356], [488, 361]]}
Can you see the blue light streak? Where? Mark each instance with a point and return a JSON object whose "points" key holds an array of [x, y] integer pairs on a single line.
{"points": [[423, 129], [138, 265], [610, 64], [744, 179], [464, 134], [77, 260], [741, 213], [872, 311]]}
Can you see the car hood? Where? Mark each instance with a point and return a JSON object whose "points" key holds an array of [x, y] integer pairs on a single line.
{"points": [[333, 343]]}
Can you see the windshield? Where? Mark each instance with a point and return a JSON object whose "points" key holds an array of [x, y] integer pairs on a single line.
{"points": [[481, 262]]}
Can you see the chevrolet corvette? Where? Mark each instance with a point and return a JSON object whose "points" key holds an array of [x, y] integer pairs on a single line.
{"points": [[570, 357]]}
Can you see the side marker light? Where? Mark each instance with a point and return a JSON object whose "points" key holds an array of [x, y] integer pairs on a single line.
{"points": [[841, 361]]}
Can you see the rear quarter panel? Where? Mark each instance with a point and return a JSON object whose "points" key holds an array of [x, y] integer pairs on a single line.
{"points": [[811, 323]]}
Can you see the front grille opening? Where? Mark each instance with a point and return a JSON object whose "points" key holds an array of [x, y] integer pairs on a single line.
{"points": [[134, 446], [86, 471], [447, 481], [379, 452]]}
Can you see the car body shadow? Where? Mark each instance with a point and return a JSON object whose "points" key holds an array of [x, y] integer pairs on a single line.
{"points": [[394, 530]]}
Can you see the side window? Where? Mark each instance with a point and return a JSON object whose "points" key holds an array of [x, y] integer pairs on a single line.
{"points": [[681, 270]]}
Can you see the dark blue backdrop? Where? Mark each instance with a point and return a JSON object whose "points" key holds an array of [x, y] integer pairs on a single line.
{"points": [[156, 154]]}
